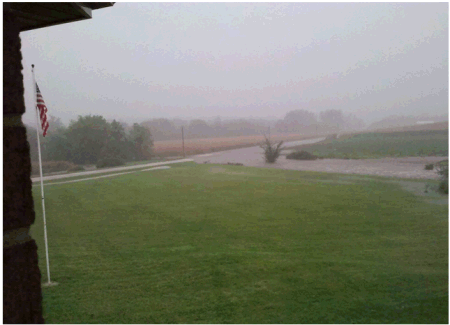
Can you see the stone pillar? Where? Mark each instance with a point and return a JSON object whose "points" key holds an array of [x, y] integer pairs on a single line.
{"points": [[22, 297]]}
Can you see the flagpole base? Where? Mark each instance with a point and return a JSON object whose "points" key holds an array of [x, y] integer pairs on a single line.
{"points": [[50, 284]]}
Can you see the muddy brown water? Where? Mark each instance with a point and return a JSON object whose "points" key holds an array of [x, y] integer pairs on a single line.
{"points": [[407, 167]]}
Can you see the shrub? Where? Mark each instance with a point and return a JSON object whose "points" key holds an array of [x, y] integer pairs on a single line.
{"points": [[301, 155], [51, 166], [443, 186], [271, 152], [429, 167], [442, 170], [109, 162]]}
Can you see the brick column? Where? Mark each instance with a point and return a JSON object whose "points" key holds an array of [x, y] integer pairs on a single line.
{"points": [[22, 297]]}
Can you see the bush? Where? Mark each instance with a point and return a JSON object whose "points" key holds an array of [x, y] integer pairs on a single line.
{"points": [[301, 155], [429, 167], [271, 152], [109, 162], [51, 166], [443, 186], [442, 170]]}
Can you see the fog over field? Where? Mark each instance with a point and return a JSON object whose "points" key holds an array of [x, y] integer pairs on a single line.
{"points": [[219, 61]]}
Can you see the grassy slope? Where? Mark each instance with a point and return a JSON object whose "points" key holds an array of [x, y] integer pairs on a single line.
{"points": [[377, 145], [226, 244]]}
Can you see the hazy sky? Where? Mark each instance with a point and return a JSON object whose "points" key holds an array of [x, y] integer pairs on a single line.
{"points": [[137, 61]]}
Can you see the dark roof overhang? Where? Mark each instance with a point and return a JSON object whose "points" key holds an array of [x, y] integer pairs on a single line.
{"points": [[33, 15]]}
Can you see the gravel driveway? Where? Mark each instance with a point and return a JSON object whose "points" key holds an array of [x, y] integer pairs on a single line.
{"points": [[408, 167]]}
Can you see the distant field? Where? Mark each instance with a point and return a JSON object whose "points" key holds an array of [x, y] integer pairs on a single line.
{"points": [[198, 146], [378, 145], [227, 244]]}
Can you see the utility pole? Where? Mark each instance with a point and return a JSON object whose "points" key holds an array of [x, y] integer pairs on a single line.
{"points": [[269, 132], [182, 139]]}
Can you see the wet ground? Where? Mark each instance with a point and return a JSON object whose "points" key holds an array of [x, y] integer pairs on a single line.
{"points": [[408, 167]]}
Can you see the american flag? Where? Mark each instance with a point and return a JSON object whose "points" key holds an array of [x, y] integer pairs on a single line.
{"points": [[42, 110]]}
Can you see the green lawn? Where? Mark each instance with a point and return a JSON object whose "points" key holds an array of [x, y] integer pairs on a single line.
{"points": [[378, 145], [227, 244]]}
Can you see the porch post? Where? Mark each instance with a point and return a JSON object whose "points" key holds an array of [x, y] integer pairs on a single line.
{"points": [[22, 296]]}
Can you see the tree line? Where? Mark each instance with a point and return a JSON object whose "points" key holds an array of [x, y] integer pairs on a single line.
{"points": [[90, 139], [296, 121]]}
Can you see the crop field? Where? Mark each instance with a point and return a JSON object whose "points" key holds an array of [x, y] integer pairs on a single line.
{"points": [[228, 244], [378, 145], [198, 146]]}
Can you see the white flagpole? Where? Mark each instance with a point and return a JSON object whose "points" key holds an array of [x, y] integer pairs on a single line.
{"points": [[42, 182]]}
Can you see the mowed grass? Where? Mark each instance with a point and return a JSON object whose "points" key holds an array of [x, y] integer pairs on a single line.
{"points": [[229, 244], [378, 145]]}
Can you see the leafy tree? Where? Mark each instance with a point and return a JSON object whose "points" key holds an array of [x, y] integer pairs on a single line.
{"points": [[142, 142], [86, 138], [118, 145], [298, 120], [301, 117], [333, 118], [199, 128], [162, 129], [55, 123], [55, 145]]}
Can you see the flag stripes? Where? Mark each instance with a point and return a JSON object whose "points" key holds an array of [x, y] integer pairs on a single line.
{"points": [[42, 110]]}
